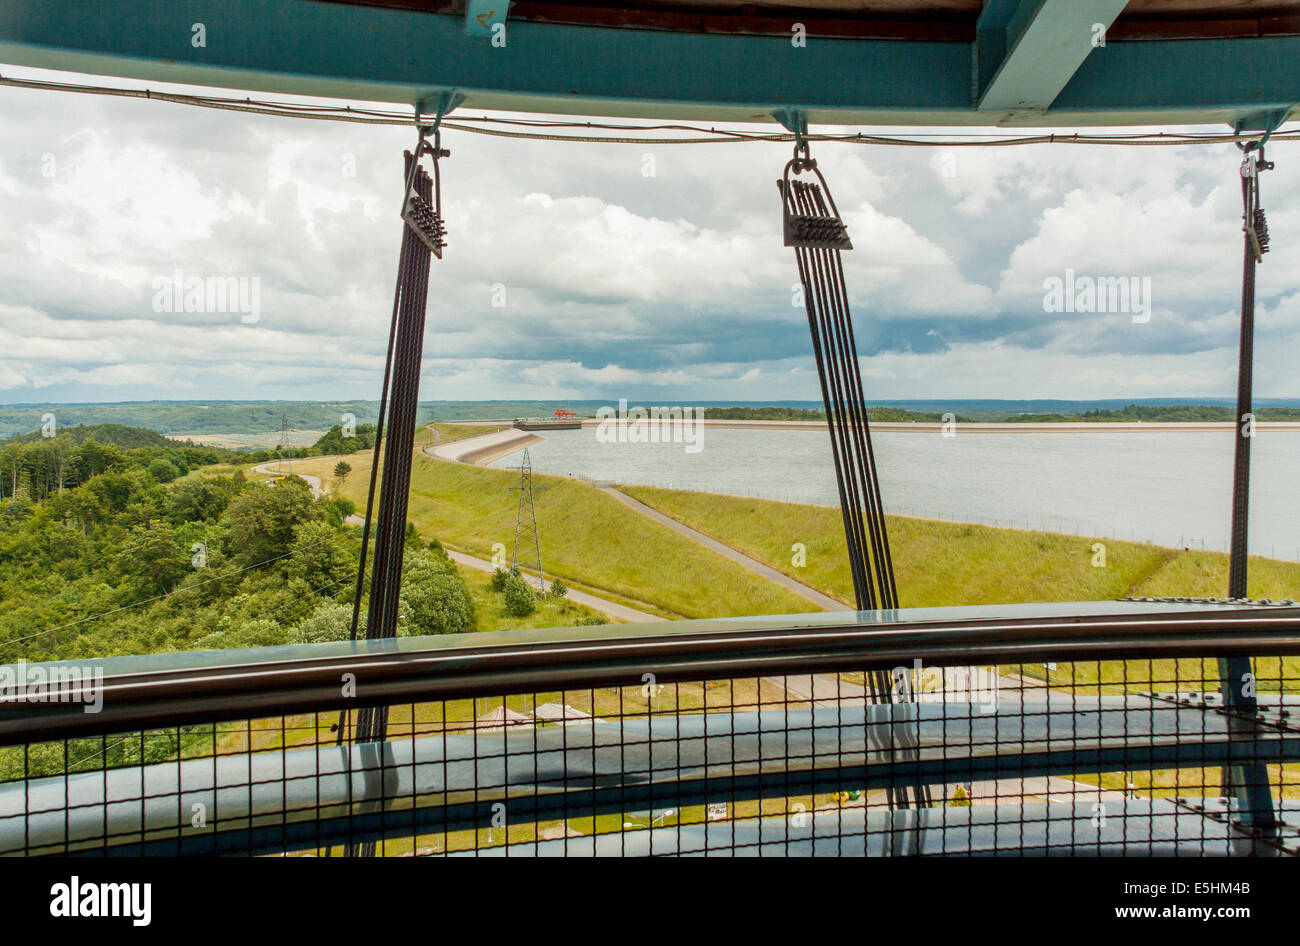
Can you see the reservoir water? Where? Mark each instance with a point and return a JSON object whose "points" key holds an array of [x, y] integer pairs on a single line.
{"points": [[1171, 488]]}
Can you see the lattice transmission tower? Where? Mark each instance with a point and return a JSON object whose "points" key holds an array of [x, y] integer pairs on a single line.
{"points": [[526, 534]]}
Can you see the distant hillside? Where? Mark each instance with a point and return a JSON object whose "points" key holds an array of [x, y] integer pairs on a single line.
{"points": [[186, 419], [1164, 413], [126, 437], [189, 417]]}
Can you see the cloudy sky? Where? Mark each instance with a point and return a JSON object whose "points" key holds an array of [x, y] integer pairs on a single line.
{"points": [[618, 282]]}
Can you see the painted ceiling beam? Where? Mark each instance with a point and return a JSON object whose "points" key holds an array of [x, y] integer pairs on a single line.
{"points": [[403, 56], [1028, 50]]}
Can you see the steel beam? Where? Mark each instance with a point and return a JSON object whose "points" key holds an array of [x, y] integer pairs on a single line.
{"points": [[1037, 46], [401, 56]]}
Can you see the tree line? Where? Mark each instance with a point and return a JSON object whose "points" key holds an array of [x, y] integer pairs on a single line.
{"points": [[104, 557]]}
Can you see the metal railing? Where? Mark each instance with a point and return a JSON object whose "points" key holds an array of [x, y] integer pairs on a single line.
{"points": [[1076, 729]]}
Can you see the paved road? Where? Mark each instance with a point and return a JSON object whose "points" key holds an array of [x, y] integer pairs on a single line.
{"points": [[766, 571], [611, 608], [317, 488]]}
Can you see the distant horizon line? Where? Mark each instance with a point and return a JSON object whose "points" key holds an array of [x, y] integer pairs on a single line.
{"points": [[1182, 399]]}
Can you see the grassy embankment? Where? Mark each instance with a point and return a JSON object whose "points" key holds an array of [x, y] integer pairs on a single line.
{"points": [[589, 539], [943, 563], [947, 563]]}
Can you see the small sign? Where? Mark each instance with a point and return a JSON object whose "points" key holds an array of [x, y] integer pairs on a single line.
{"points": [[718, 812]]}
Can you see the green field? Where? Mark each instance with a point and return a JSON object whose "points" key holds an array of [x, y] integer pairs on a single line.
{"points": [[947, 563], [589, 539]]}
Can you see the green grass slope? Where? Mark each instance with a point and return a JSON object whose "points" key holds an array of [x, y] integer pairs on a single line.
{"points": [[589, 539], [946, 563]]}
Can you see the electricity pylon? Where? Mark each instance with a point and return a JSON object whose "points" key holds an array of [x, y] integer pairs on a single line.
{"points": [[526, 521]]}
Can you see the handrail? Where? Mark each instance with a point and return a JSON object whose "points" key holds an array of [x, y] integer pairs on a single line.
{"points": [[310, 678], [306, 796]]}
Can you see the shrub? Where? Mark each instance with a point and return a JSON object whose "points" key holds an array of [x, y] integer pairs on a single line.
{"points": [[434, 597], [592, 621], [163, 470], [520, 600], [558, 588], [412, 536], [498, 580], [332, 621]]}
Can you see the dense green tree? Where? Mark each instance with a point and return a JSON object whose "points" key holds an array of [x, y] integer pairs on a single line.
{"points": [[335, 441], [198, 500], [153, 558], [319, 556], [261, 520]]}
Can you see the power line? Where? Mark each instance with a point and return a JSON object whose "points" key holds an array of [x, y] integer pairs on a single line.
{"points": [[480, 125]]}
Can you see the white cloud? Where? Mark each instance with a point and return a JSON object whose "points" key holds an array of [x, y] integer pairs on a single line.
{"points": [[615, 282]]}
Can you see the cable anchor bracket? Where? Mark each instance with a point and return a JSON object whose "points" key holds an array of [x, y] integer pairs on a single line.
{"points": [[426, 219]]}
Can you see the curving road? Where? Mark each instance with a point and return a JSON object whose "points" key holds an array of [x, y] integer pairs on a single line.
{"points": [[317, 487]]}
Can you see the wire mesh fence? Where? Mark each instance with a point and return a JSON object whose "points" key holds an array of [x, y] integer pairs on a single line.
{"points": [[1138, 757]]}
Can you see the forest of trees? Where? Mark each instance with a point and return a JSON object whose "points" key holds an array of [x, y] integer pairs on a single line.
{"points": [[106, 550], [334, 440], [1161, 413], [46, 466]]}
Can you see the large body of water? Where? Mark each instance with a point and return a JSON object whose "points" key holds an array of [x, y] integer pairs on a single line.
{"points": [[1168, 488]]}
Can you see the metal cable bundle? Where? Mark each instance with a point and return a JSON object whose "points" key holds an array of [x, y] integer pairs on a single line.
{"points": [[399, 400], [1255, 228], [811, 224], [1248, 781]]}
